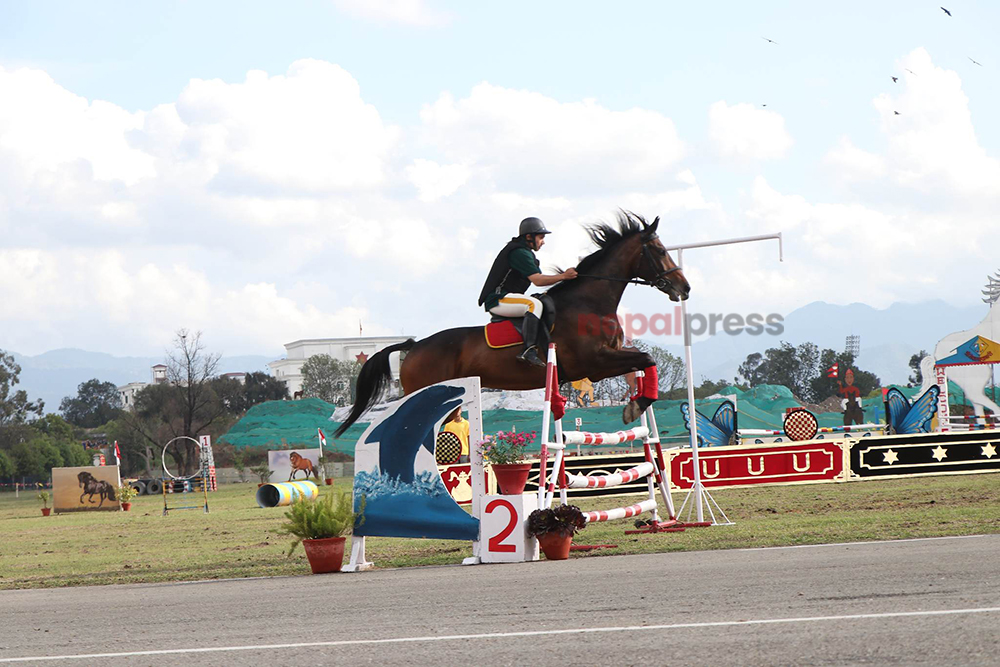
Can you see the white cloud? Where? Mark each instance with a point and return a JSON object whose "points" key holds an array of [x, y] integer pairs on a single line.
{"points": [[309, 129], [44, 127], [436, 181], [744, 132], [537, 146], [97, 296], [409, 12], [932, 143]]}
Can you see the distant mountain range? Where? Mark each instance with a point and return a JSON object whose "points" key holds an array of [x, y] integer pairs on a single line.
{"points": [[889, 337], [56, 374]]}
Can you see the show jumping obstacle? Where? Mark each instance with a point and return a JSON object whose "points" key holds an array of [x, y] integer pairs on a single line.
{"points": [[204, 476], [652, 469]]}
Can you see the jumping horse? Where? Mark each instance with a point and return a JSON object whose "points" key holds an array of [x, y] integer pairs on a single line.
{"points": [[586, 328]]}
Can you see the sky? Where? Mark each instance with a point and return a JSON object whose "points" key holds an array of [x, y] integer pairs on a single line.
{"points": [[265, 173]]}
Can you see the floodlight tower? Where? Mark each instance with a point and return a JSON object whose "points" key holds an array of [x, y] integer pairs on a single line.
{"points": [[853, 346]]}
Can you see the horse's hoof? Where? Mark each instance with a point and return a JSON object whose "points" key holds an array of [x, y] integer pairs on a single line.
{"points": [[631, 412]]}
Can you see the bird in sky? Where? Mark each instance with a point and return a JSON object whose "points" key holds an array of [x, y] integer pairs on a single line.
{"points": [[895, 79], [896, 112], [946, 11], [910, 71], [978, 63], [769, 40]]}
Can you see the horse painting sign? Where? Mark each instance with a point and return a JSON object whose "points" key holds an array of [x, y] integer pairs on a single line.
{"points": [[287, 465], [89, 488]]}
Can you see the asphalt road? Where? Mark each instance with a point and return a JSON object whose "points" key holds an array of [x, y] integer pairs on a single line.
{"points": [[918, 602]]}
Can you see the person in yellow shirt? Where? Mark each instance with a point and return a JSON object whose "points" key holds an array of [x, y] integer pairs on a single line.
{"points": [[459, 425]]}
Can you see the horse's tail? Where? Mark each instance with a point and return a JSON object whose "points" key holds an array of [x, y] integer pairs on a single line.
{"points": [[372, 381]]}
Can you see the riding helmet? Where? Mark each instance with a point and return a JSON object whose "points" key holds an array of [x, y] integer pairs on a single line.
{"points": [[532, 226]]}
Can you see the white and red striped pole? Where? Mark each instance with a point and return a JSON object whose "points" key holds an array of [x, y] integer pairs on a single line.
{"points": [[550, 375]]}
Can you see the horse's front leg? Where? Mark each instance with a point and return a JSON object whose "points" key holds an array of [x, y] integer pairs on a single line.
{"points": [[612, 362]]}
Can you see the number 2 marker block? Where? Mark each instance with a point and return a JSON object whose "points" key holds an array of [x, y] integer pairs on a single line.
{"points": [[503, 529]]}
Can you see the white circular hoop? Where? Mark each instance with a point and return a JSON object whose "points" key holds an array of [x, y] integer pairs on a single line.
{"points": [[163, 457]]}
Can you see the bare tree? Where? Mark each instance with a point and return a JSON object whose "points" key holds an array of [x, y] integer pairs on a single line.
{"points": [[190, 367], [186, 405]]}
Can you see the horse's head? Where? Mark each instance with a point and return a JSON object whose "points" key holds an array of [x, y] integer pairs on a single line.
{"points": [[84, 477], [656, 266], [294, 457]]}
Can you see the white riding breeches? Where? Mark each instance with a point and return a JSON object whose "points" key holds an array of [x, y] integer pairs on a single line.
{"points": [[517, 305]]}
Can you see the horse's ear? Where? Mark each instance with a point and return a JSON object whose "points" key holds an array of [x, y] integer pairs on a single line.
{"points": [[655, 224]]}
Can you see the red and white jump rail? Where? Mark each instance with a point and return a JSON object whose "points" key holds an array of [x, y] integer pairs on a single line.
{"points": [[652, 468]]}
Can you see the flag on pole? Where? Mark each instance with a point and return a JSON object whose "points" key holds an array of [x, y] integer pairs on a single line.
{"points": [[361, 331], [118, 454], [833, 371], [322, 438]]}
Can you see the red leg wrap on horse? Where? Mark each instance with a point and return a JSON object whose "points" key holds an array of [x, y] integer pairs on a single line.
{"points": [[650, 387]]}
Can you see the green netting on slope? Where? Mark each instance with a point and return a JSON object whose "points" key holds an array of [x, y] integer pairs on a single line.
{"points": [[295, 422], [276, 423]]}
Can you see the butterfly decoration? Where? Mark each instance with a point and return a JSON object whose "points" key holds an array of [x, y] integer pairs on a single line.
{"points": [[904, 417], [717, 432]]}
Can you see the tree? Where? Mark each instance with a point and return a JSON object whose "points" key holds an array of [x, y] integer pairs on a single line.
{"points": [[793, 367], [751, 370], [7, 467], [329, 379], [186, 405], [15, 408], [803, 370], [917, 379], [670, 370], [257, 387], [95, 404]]}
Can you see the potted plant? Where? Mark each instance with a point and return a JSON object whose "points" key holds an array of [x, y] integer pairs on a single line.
{"points": [[44, 496], [263, 472], [554, 528], [321, 525], [505, 454], [126, 492]]}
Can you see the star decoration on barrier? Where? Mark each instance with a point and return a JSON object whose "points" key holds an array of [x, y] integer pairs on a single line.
{"points": [[890, 457], [939, 453], [361, 357], [989, 450]]}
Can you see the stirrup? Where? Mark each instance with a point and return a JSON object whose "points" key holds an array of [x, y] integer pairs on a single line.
{"points": [[530, 356]]}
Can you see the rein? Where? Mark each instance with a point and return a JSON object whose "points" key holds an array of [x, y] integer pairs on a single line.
{"points": [[661, 282]]}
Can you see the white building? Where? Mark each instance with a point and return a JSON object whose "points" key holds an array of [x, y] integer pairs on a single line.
{"points": [[289, 369], [128, 392]]}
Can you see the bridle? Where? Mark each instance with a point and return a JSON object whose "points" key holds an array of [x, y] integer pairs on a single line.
{"points": [[660, 282]]}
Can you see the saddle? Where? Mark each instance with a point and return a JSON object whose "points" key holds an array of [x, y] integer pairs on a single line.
{"points": [[506, 331]]}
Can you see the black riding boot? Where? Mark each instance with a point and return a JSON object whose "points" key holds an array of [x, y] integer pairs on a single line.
{"points": [[529, 331]]}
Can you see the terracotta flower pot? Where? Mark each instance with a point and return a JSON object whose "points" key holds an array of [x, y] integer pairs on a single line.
{"points": [[326, 554], [511, 477], [329, 481], [126, 507], [555, 546], [46, 510]]}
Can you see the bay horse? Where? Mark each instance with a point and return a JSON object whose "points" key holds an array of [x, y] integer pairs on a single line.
{"points": [[587, 331]]}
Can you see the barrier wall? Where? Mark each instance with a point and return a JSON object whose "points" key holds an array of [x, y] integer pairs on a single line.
{"points": [[809, 462]]}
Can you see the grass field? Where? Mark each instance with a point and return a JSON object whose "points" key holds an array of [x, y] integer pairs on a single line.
{"points": [[238, 539]]}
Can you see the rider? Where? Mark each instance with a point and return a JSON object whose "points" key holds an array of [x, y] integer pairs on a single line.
{"points": [[514, 270]]}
